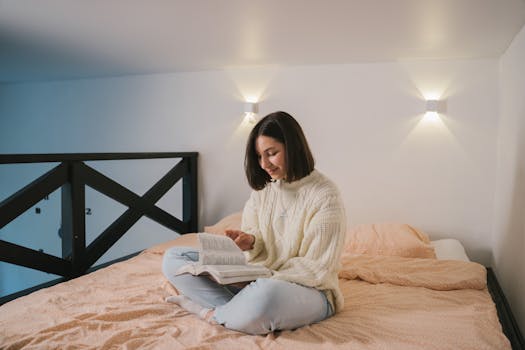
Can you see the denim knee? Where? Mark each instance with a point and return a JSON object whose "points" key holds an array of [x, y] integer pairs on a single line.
{"points": [[252, 310], [177, 251], [267, 305], [175, 257]]}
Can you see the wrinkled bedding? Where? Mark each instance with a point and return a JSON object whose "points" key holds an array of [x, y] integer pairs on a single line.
{"points": [[390, 303]]}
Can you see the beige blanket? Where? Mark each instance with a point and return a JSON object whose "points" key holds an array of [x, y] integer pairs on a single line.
{"points": [[390, 303]]}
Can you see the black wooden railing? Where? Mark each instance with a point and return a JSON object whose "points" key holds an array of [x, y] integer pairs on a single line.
{"points": [[72, 175]]}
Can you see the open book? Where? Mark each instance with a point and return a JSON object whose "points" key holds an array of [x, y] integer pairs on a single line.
{"points": [[224, 261]]}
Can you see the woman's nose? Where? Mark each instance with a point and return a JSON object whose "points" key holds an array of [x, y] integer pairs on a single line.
{"points": [[264, 162]]}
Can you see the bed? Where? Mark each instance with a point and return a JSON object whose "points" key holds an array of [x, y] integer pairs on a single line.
{"points": [[402, 291]]}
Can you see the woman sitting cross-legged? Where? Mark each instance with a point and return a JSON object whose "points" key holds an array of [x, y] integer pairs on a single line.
{"points": [[293, 223]]}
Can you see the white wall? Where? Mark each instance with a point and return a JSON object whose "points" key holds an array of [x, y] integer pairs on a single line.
{"points": [[509, 218], [364, 122]]}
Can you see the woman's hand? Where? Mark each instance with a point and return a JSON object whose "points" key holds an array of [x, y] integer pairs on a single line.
{"points": [[243, 240]]}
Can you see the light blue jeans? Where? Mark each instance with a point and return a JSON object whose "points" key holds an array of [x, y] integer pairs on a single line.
{"points": [[263, 306]]}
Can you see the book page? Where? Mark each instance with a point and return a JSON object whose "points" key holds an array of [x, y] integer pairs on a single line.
{"points": [[188, 268], [233, 271], [219, 250], [220, 258], [226, 274], [210, 241]]}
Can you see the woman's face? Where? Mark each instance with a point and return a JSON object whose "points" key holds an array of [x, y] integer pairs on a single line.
{"points": [[271, 156]]}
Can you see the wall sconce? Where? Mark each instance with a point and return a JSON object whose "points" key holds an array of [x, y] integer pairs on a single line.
{"points": [[436, 106], [250, 111]]}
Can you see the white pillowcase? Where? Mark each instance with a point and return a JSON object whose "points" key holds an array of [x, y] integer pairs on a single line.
{"points": [[449, 249]]}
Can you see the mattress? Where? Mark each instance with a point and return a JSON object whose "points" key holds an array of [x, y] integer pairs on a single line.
{"points": [[390, 302]]}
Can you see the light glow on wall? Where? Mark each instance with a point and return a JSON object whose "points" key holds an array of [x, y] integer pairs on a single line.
{"points": [[431, 117]]}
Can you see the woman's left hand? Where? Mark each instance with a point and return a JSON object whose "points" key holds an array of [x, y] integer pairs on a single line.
{"points": [[243, 240]]}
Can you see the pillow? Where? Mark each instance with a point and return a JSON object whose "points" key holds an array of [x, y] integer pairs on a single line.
{"points": [[391, 239], [230, 222]]}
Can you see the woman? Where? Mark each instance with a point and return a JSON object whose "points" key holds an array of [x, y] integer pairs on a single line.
{"points": [[293, 223]]}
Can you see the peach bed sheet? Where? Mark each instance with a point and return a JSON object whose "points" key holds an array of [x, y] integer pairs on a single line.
{"points": [[390, 303]]}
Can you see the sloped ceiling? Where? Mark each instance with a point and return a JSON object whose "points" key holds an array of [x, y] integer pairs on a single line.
{"points": [[63, 39]]}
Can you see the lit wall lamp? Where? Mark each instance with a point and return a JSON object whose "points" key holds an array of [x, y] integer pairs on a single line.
{"points": [[250, 111], [436, 106]]}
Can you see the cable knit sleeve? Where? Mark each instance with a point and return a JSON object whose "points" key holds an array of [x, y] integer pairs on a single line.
{"points": [[321, 247], [250, 224]]}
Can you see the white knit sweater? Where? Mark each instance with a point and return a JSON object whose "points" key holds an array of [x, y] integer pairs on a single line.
{"points": [[299, 231]]}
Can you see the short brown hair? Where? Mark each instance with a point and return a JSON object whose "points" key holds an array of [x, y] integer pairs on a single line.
{"points": [[282, 127]]}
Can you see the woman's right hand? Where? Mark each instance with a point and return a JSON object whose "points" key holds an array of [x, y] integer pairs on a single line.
{"points": [[243, 240]]}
